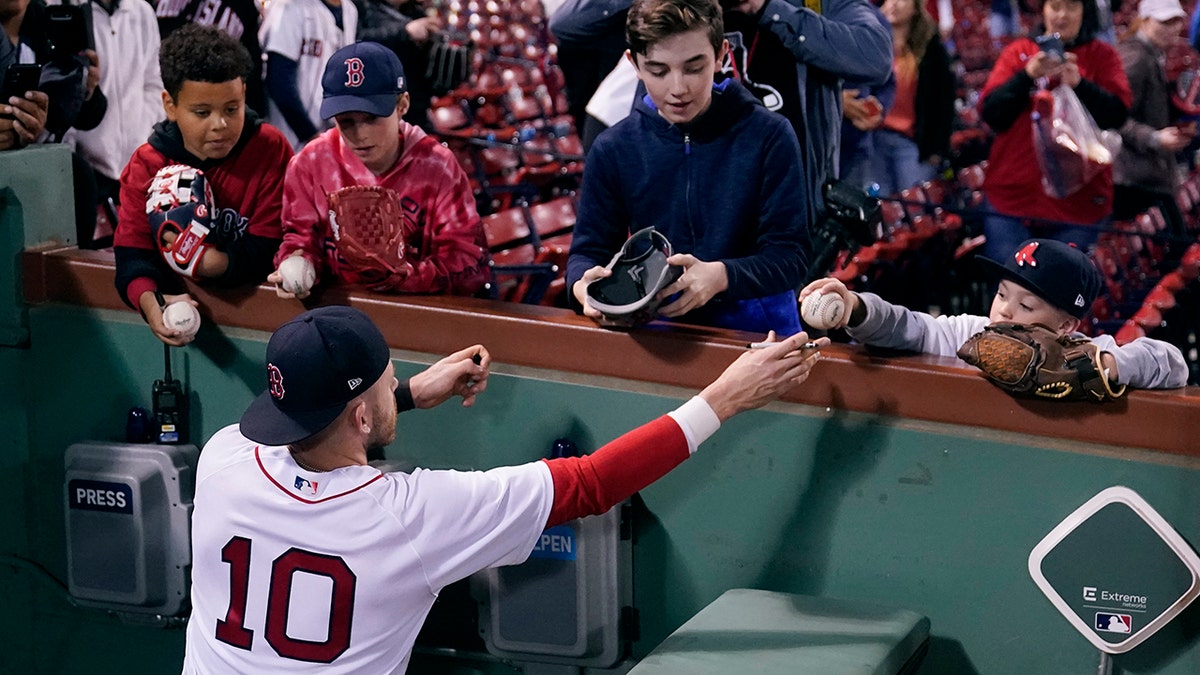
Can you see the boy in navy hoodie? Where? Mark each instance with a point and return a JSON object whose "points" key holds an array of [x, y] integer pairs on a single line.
{"points": [[707, 166], [209, 128]]}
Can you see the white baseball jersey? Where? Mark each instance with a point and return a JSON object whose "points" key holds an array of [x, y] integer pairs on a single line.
{"points": [[334, 572], [305, 32]]}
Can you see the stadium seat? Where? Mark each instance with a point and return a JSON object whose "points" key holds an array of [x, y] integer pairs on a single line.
{"points": [[1148, 318], [1129, 332], [555, 217]]}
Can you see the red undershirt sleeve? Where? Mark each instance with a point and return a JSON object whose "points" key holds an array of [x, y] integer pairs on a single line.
{"points": [[593, 484]]}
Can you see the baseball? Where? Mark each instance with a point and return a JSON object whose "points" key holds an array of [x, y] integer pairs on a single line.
{"points": [[181, 316], [298, 275], [822, 311]]}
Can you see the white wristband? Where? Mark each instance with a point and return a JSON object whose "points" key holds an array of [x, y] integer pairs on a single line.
{"points": [[697, 420]]}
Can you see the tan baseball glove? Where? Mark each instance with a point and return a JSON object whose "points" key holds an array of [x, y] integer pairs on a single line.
{"points": [[1033, 360], [369, 231]]}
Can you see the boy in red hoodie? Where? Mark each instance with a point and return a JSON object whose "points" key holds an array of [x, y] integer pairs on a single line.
{"points": [[231, 241], [442, 250]]}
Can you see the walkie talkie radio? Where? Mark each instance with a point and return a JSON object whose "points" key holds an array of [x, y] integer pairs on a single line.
{"points": [[170, 403]]}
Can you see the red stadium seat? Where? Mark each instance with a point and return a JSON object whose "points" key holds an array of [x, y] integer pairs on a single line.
{"points": [[1148, 317], [1173, 281], [1129, 332], [971, 177], [892, 212], [1160, 298], [507, 229], [450, 119], [936, 192], [554, 217], [1189, 266]]}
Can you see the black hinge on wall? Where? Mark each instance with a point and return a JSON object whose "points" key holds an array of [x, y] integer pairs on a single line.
{"points": [[626, 521], [631, 628]]}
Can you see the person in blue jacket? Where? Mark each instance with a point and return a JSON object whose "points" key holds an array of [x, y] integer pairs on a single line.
{"points": [[707, 166], [792, 54]]}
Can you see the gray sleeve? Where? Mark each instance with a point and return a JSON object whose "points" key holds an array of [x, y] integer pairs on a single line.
{"points": [[583, 22], [1146, 363], [847, 39], [896, 327], [1138, 136]]}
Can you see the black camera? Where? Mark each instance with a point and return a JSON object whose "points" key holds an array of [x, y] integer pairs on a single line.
{"points": [[852, 219], [859, 213], [18, 79], [1052, 44], [69, 31]]}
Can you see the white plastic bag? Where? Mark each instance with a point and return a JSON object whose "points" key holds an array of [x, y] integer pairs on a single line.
{"points": [[1071, 148]]}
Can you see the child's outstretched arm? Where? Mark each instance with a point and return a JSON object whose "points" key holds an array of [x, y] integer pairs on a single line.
{"points": [[871, 320]]}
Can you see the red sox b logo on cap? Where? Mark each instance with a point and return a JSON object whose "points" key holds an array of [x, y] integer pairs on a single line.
{"points": [[354, 72], [275, 381], [1025, 255]]}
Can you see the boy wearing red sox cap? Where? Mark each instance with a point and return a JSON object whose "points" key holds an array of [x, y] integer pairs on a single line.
{"points": [[430, 238], [1043, 282]]}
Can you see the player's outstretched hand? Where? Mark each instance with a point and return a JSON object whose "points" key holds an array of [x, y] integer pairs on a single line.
{"points": [[464, 373], [154, 317], [759, 376], [579, 289], [830, 285]]}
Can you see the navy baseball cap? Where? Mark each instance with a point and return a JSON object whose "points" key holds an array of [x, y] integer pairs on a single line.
{"points": [[316, 364], [362, 77], [1059, 273]]}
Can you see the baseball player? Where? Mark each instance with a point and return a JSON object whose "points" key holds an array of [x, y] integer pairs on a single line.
{"points": [[231, 241], [1043, 282], [421, 234], [298, 36], [308, 559]]}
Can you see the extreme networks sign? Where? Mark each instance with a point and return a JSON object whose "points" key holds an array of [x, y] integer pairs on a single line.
{"points": [[1116, 597]]}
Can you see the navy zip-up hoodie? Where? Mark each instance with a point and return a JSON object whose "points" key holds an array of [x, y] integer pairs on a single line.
{"points": [[728, 186]]}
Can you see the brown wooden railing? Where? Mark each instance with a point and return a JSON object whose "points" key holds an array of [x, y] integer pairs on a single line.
{"points": [[915, 387]]}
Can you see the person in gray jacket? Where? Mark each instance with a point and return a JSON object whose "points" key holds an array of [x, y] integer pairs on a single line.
{"points": [[840, 39], [1145, 173], [1045, 282]]}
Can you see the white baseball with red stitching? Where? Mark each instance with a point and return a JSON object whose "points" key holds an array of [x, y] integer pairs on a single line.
{"points": [[822, 310]]}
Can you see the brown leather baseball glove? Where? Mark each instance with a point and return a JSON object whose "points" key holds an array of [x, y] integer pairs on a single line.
{"points": [[369, 231], [1033, 360]]}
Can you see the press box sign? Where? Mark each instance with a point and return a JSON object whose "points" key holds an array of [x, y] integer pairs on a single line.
{"points": [[1116, 596], [94, 495]]}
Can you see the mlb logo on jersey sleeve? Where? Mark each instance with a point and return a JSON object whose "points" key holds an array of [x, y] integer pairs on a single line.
{"points": [[305, 486], [1114, 623]]}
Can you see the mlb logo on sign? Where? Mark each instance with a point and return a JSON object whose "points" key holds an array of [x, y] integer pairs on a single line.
{"points": [[305, 485], [1114, 623]]}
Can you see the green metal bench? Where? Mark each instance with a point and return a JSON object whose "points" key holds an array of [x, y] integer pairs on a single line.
{"points": [[752, 631]]}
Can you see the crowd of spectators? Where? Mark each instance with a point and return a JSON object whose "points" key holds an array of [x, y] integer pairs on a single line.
{"points": [[878, 95]]}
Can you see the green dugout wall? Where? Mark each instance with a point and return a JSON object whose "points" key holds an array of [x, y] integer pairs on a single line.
{"points": [[908, 481]]}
